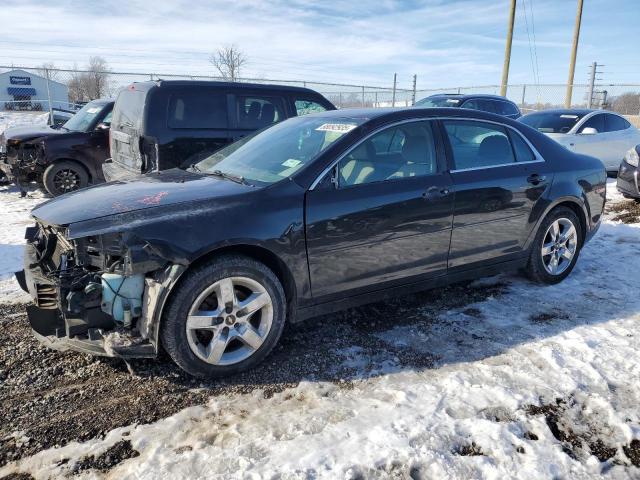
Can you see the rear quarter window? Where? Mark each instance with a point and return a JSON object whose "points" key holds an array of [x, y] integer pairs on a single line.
{"points": [[196, 109]]}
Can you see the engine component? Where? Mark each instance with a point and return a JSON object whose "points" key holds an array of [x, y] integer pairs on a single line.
{"points": [[122, 297]]}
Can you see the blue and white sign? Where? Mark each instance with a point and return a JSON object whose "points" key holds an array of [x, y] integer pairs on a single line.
{"points": [[19, 80]]}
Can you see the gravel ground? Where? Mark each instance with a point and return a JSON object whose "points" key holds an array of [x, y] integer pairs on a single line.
{"points": [[53, 398]]}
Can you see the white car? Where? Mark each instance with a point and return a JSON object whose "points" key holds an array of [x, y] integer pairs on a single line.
{"points": [[598, 133]]}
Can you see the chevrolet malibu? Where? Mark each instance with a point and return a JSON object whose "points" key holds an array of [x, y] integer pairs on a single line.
{"points": [[309, 216]]}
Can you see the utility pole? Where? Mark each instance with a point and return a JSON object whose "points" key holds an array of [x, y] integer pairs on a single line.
{"points": [[574, 53], [593, 78], [413, 94], [592, 81], [507, 50], [393, 95]]}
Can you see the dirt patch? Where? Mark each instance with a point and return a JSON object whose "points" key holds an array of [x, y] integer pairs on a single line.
{"points": [[627, 211], [51, 398], [17, 476], [548, 317], [468, 450], [577, 441], [632, 451], [118, 453]]}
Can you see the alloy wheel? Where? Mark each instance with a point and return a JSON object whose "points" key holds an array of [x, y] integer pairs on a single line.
{"points": [[559, 246], [229, 321], [66, 180]]}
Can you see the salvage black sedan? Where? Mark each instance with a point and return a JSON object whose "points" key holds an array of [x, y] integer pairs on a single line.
{"points": [[310, 216]]}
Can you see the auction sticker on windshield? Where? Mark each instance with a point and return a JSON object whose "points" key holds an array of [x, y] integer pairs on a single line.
{"points": [[336, 127]]}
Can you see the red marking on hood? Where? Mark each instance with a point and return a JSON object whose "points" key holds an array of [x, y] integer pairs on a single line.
{"points": [[153, 199], [119, 207]]}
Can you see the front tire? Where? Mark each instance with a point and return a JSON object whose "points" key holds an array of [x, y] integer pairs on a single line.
{"points": [[63, 177], [555, 249], [224, 318]]}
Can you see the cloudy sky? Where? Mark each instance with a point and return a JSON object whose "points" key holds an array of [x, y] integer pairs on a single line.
{"points": [[446, 43]]}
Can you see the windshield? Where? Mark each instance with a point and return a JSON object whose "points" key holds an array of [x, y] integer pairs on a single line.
{"points": [[552, 122], [81, 121], [434, 102], [279, 151]]}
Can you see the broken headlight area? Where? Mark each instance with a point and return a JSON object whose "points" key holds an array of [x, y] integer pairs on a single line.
{"points": [[92, 294], [27, 154]]}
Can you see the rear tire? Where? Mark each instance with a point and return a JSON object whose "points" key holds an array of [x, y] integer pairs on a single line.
{"points": [[556, 247], [224, 318], [63, 177]]}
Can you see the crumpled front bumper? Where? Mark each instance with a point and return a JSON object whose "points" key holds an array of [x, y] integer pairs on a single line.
{"points": [[51, 328]]}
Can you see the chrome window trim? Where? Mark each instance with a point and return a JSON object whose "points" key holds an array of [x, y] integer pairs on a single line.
{"points": [[538, 158]]}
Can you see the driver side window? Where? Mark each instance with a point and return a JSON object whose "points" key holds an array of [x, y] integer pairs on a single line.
{"points": [[403, 151]]}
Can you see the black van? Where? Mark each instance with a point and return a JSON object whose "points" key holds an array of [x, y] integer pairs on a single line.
{"points": [[167, 124]]}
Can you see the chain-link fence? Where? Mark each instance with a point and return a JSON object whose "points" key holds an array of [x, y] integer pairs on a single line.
{"points": [[29, 89]]}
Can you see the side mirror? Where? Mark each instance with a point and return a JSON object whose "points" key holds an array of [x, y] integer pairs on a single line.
{"points": [[588, 131], [103, 126]]}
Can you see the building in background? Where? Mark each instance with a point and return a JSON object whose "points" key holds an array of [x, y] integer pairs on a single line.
{"points": [[22, 90]]}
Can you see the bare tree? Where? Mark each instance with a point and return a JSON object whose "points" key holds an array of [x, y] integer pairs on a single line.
{"points": [[90, 84], [229, 61], [48, 69], [627, 103]]}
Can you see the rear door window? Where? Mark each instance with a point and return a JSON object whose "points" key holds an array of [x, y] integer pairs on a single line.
{"points": [[197, 109], [478, 144], [521, 149], [304, 107], [255, 112]]}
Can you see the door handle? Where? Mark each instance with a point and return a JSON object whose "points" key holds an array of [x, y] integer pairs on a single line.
{"points": [[536, 179], [433, 193]]}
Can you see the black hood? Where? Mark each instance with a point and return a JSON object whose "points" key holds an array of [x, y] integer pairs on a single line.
{"points": [[154, 190], [33, 132]]}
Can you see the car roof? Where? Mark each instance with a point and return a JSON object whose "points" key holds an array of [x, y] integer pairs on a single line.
{"points": [[212, 83], [466, 96], [566, 111], [391, 114]]}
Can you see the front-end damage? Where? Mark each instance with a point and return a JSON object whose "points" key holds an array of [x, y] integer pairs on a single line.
{"points": [[100, 294], [23, 161]]}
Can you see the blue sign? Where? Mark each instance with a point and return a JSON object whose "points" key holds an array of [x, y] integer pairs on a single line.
{"points": [[19, 80]]}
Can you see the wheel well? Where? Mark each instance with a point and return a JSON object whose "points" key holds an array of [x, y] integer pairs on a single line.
{"points": [[268, 258], [579, 213], [76, 162]]}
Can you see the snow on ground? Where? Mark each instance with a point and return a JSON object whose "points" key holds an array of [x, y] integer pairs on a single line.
{"points": [[536, 382], [14, 218], [22, 119]]}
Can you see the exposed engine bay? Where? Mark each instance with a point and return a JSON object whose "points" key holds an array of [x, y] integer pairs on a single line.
{"points": [[98, 294]]}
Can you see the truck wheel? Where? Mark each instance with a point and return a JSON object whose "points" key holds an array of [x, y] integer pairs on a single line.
{"points": [[63, 177], [224, 318], [556, 247]]}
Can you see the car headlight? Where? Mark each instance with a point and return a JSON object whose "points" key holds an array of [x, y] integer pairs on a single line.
{"points": [[12, 142], [632, 157]]}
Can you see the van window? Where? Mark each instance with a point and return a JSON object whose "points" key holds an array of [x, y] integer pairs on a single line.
{"points": [[304, 107], [198, 109], [258, 112], [128, 109]]}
